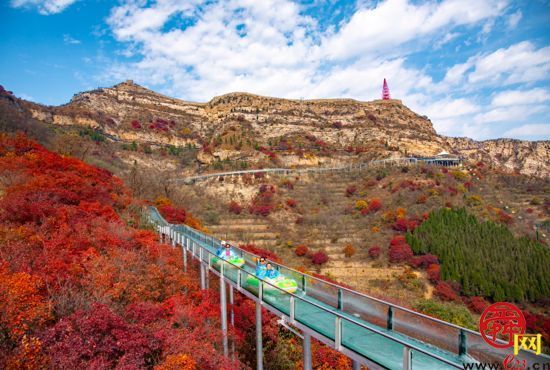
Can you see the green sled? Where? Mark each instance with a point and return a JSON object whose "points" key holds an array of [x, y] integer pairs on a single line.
{"points": [[286, 284], [235, 260]]}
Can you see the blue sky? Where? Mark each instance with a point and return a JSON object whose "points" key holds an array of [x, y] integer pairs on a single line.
{"points": [[477, 68]]}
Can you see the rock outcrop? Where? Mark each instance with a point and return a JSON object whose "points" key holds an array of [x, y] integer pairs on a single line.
{"points": [[131, 113]]}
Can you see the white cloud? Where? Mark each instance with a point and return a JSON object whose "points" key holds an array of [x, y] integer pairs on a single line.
{"points": [[514, 19], [395, 22], [541, 130], [520, 97], [519, 63], [244, 45], [44, 7], [67, 39], [448, 108], [508, 114]]}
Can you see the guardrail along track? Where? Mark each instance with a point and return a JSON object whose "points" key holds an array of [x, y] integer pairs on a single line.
{"points": [[369, 330]]}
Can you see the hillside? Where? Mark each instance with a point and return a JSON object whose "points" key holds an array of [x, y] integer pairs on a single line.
{"points": [[240, 130], [349, 227], [83, 284]]}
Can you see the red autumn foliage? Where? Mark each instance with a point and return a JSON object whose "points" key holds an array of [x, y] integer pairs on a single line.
{"points": [[235, 208], [424, 261], [350, 190], [136, 124], [400, 253], [504, 217], [374, 252], [445, 291], [262, 204], [403, 224], [375, 205], [291, 203], [397, 240], [319, 258], [434, 273], [99, 338], [477, 304], [299, 220], [172, 214], [301, 250], [261, 252], [537, 323], [260, 210], [161, 125], [64, 248]]}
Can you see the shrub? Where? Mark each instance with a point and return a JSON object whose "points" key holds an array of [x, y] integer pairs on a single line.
{"points": [[375, 229], [173, 214], [235, 208], [350, 190], [374, 252], [299, 220], [375, 205], [349, 250], [474, 200], [400, 212], [477, 304], [400, 253], [397, 240], [504, 217], [291, 203], [260, 210], [261, 252], [319, 258], [424, 261], [136, 124], [434, 273], [445, 292], [301, 250], [337, 125], [450, 312], [361, 204], [403, 225]]}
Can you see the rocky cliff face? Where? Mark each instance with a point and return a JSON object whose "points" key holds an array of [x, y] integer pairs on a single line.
{"points": [[236, 125]]}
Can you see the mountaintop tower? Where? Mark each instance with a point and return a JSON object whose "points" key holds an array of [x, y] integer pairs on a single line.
{"points": [[385, 91]]}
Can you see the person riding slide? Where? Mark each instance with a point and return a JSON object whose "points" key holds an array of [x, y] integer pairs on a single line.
{"points": [[224, 251], [270, 272], [261, 267]]}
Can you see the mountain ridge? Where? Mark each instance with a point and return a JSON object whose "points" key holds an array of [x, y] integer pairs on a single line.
{"points": [[373, 130]]}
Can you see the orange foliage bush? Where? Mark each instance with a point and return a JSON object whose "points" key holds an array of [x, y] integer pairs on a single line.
{"points": [[115, 291], [301, 250], [349, 250]]}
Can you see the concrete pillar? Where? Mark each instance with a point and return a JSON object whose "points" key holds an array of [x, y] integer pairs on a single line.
{"points": [[306, 352], [203, 276], [184, 251], [223, 309], [259, 345]]}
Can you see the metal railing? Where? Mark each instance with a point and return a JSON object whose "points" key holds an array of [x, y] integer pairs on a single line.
{"points": [[350, 307], [347, 168]]}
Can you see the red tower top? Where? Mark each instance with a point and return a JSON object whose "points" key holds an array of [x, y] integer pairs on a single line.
{"points": [[385, 91]]}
